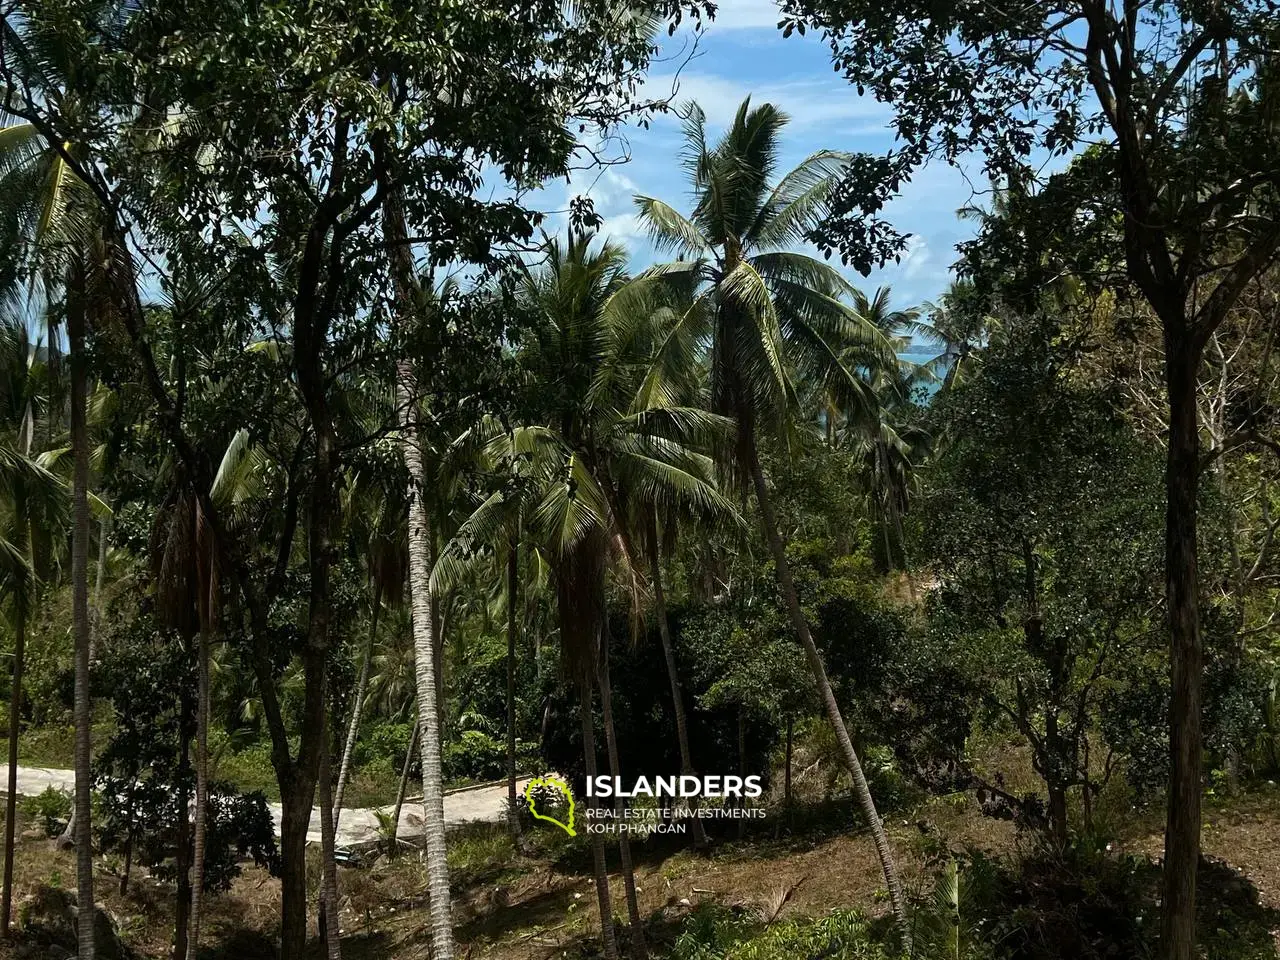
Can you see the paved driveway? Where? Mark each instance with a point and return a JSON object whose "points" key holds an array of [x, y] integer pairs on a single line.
{"points": [[486, 803]]}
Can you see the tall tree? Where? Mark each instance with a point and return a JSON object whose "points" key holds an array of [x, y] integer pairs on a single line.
{"points": [[297, 229], [653, 542], [427, 668], [79, 364], [33, 509], [768, 314], [593, 454], [57, 224], [1186, 96]]}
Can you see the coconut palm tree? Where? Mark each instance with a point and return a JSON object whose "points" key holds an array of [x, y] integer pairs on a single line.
{"points": [[884, 435], [958, 331], [593, 453], [33, 507], [47, 213], [413, 305], [767, 316], [374, 513]]}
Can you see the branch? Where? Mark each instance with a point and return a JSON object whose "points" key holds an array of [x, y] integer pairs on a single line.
{"points": [[1214, 310], [1193, 51]]}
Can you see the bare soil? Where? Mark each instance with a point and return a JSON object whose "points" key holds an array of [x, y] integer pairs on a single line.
{"points": [[543, 906]]}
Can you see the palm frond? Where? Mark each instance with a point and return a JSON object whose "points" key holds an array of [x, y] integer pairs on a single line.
{"points": [[669, 230]]}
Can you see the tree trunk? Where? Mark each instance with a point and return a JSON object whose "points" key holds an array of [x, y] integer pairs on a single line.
{"points": [[782, 569], [295, 819], [357, 709], [403, 789], [128, 859], [608, 937], [426, 672], [786, 777], [11, 801], [638, 947], [80, 618], [1186, 655], [673, 673], [202, 792], [182, 856], [437, 626], [1058, 826], [513, 584], [740, 802], [328, 868]]}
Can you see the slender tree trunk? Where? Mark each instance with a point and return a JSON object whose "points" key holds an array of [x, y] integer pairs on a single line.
{"points": [[1086, 791], [426, 672], [328, 868], [513, 586], [1186, 654], [740, 802], [182, 856], [638, 947], [608, 937], [1058, 826], [202, 792], [673, 672], [411, 306], [782, 569], [786, 777], [403, 789], [80, 617], [889, 565], [11, 801], [128, 860], [438, 628], [357, 709]]}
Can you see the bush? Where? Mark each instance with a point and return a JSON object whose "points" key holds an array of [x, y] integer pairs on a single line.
{"points": [[385, 740], [249, 770], [715, 933], [475, 756], [372, 785], [1089, 904], [50, 810]]}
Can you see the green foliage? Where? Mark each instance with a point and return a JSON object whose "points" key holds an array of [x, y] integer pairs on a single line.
{"points": [[248, 768], [1045, 535], [1085, 903], [143, 814], [50, 810], [475, 756], [383, 740], [716, 933]]}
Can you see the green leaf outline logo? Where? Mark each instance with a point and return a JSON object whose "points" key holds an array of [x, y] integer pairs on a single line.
{"points": [[554, 783]]}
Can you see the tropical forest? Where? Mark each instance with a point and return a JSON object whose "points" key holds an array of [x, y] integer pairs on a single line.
{"points": [[640, 479]]}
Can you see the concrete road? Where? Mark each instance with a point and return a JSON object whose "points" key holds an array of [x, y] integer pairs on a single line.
{"points": [[484, 803]]}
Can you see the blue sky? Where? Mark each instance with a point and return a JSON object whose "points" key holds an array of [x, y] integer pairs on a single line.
{"points": [[740, 53]]}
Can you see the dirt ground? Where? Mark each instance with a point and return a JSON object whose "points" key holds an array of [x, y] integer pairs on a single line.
{"points": [[534, 908]]}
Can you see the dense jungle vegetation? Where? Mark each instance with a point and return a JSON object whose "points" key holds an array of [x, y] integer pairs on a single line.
{"points": [[338, 472]]}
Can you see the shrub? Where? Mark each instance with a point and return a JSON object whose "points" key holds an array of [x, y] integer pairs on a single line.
{"points": [[475, 756], [716, 933], [249, 769], [50, 810]]}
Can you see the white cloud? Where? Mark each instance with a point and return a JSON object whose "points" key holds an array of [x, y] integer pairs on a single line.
{"points": [[625, 229], [809, 103], [610, 190], [917, 257]]}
